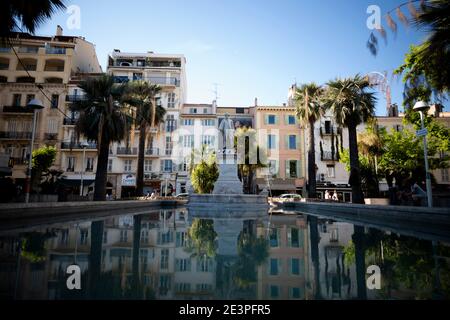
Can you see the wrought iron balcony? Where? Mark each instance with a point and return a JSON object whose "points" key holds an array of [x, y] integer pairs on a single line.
{"points": [[78, 146], [329, 156], [15, 135], [51, 136], [75, 97], [69, 121], [127, 151], [152, 152], [17, 109]]}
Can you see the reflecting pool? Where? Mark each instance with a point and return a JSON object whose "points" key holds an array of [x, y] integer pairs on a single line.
{"points": [[177, 254]]}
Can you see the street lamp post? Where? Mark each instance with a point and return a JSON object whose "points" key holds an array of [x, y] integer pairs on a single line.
{"points": [[83, 145], [35, 105], [421, 107]]}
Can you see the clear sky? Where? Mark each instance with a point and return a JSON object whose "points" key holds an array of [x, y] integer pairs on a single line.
{"points": [[251, 48]]}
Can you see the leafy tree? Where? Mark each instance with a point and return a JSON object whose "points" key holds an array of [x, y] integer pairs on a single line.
{"points": [[252, 252], [141, 96], [309, 110], [23, 14], [43, 158], [102, 119], [202, 238], [403, 158], [247, 169], [351, 104], [204, 171]]}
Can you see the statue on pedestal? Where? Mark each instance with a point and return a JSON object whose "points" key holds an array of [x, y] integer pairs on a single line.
{"points": [[227, 130]]}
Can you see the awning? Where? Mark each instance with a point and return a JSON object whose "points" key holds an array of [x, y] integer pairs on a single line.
{"points": [[281, 184], [76, 182]]}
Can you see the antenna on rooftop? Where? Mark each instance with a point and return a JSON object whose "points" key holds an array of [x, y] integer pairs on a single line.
{"points": [[216, 91]]}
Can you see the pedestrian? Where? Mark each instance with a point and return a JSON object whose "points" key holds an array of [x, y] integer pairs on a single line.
{"points": [[419, 195], [335, 196], [327, 195]]}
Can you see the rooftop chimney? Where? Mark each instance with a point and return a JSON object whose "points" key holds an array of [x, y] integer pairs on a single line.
{"points": [[59, 31], [256, 102]]}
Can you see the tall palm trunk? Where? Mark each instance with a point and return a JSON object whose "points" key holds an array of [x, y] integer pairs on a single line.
{"points": [[141, 158], [95, 259], [311, 162], [355, 172], [136, 251], [315, 239], [102, 169], [360, 262]]}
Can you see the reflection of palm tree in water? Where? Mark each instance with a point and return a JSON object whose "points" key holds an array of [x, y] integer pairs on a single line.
{"points": [[314, 238]]}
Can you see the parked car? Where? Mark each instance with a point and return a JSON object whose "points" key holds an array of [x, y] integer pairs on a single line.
{"points": [[183, 196], [291, 196]]}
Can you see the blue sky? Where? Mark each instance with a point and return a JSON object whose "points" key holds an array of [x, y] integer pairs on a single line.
{"points": [[251, 48]]}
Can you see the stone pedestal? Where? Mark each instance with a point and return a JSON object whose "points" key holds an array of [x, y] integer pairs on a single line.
{"points": [[228, 182]]}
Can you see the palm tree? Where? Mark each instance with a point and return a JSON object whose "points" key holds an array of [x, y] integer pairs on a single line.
{"points": [[308, 100], [102, 119], [351, 105], [24, 14], [251, 158], [141, 96]]}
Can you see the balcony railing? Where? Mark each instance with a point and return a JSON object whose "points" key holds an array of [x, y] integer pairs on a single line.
{"points": [[329, 156], [51, 136], [75, 98], [152, 152], [33, 50], [69, 121], [126, 151], [18, 161], [17, 109], [328, 131], [23, 135], [54, 50], [78, 146], [162, 81]]}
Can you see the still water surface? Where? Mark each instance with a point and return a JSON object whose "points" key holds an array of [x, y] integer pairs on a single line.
{"points": [[172, 254]]}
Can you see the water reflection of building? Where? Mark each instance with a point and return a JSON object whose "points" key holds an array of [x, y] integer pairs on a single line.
{"points": [[337, 280], [285, 274]]}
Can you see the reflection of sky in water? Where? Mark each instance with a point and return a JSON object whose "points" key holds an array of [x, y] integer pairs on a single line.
{"points": [[179, 256]]}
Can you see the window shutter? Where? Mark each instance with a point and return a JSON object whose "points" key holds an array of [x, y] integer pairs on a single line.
{"points": [[177, 265], [287, 169], [297, 165], [286, 142], [280, 266], [297, 138], [162, 166], [159, 238], [286, 119], [266, 119], [289, 237], [188, 264]]}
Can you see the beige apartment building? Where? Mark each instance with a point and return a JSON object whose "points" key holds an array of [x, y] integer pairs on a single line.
{"points": [[286, 274], [39, 67], [281, 137]]}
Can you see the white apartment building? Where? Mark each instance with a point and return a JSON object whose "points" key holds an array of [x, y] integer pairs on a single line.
{"points": [[198, 127], [160, 169]]}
